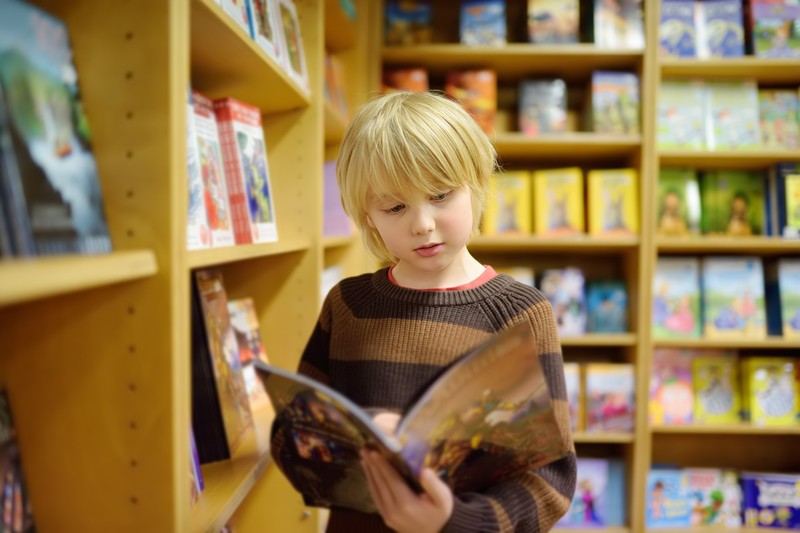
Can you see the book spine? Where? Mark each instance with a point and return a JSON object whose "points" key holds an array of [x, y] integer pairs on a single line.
{"points": [[234, 180]]}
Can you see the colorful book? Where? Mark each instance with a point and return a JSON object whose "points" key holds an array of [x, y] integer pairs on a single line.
{"points": [[599, 500], [733, 203], [292, 42], [263, 27], [244, 156], [542, 106], [775, 28], [610, 391], [244, 322], [212, 171], [15, 502], [613, 196], [720, 28], [407, 22], [789, 287], [564, 289], [770, 500], [787, 201], [715, 497], [238, 12], [676, 298], [476, 90], [671, 389], [335, 222], [677, 34], [558, 202], [508, 204], [483, 22], [678, 209], [779, 118], [414, 79], [572, 378], [666, 499], [196, 480], [198, 234], [717, 395], [553, 21], [615, 102], [733, 297], [607, 305], [618, 24], [49, 181], [681, 119], [732, 120], [770, 395]]}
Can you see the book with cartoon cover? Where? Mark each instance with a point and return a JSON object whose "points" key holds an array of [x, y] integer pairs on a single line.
{"points": [[487, 417]]}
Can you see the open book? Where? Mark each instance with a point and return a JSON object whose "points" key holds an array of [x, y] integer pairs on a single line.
{"points": [[485, 418]]}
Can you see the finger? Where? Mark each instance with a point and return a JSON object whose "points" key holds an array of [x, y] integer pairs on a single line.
{"points": [[371, 484], [392, 484], [435, 488]]}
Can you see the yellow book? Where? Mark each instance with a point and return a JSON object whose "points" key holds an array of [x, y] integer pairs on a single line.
{"points": [[613, 202], [508, 204], [717, 397], [770, 391], [558, 202]]}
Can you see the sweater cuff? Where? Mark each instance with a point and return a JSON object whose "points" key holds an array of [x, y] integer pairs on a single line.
{"points": [[468, 517]]}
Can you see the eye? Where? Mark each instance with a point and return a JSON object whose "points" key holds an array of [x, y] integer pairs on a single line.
{"points": [[440, 197], [395, 209]]}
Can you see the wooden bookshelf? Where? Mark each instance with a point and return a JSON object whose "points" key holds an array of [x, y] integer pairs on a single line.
{"points": [[584, 145], [573, 244], [728, 429], [757, 245], [765, 70], [753, 159]]}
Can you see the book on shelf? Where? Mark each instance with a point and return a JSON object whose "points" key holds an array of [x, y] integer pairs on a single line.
{"points": [[671, 396], [564, 288], [244, 156], [666, 499], [508, 204], [681, 115], [483, 22], [678, 212], [476, 90], [599, 500], [407, 22], [732, 120], [618, 24], [558, 202], [787, 200], [198, 234], [335, 84], [774, 28], [238, 12], [221, 413], [789, 287], [720, 28], [263, 27], [770, 500], [488, 416], [52, 200], [212, 171], [542, 106], [196, 480], [573, 381], [613, 197], [770, 395], [553, 21], [610, 404], [676, 298], [414, 79], [717, 395], [335, 222], [291, 38], [677, 35], [244, 322], [733, 297], [715, 497], [779, 118], [733, 203], [607, 306], [614, 102], [15, 502]]}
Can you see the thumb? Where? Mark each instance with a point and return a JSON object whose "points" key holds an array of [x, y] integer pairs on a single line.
{"points": [[437, 489]]}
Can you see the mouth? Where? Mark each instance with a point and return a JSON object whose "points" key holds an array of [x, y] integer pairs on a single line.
{"points": [[428, 250]]}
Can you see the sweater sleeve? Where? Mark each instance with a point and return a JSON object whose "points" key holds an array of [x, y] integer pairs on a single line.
{"points": [[533, 500]]}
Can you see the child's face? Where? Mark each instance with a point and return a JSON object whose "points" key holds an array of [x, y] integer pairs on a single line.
{"points": [[427, 233]]}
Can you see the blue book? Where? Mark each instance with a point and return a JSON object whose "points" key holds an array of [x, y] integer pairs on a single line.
{"points": [[676, 31], [483, 22], [733, 297], [720, 29], [666, 499], [607, 303], [599, 499]]}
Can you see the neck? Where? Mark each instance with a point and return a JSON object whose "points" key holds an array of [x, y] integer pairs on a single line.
{"points": [[461, 271]]}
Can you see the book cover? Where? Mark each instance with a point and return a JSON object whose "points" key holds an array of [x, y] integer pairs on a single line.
{"points": [[244, 322], [715, 497], [733, 203], [615, 102], [483, 22], [572, 378], [197, 231], [333, 87], [677, 35], [618, 24], [263, 27], [607, 304], [671, 389], [476, 90], [292, 42], [720, 28], [779, 118], [679, 205], [335, 222], [676, 298], [599, 495], [508, 204], [414, 79], [15, 503], [787, 200], [770, 500], [558, 202], [681, 115], [486, 417], [407, 22], [610, 403], [717, 395], [789, 287], [542, 106], [733, 297], [732, 120], [196, 481], [237, 11], [770, 395], [666, 499], [244, 156], [49, 179], [553, 21], [564, 289], [613, 196], [221, 409], [776, 28], [212, 171]]}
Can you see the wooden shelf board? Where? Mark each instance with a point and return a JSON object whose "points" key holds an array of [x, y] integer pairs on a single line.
{"points": [[724, 429], [228, 482], [600, 339], [582, 145], [590, 438], [339, 241], [340, 29], [232, 254], [225, 61], [515, 60], [762, 69], [733, 343], [594, 530], [23, 280], [730, 245], [334, 124], [573, 244], [713, 529], [741, 159]]}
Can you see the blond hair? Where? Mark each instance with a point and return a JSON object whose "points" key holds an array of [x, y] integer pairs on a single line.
{"points": [[404, 140]]}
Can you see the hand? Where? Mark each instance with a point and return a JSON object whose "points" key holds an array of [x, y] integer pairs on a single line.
{"points": [[387, 422], [402, 509]]}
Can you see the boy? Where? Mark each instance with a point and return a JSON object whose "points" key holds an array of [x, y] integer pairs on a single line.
{"points": [[413, 171]]}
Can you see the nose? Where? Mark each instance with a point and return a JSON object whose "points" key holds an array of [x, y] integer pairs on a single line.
{"points": [[423, 222]]}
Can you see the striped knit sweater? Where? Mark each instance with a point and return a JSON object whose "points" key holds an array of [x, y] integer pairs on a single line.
{"points": [[381, 345]]}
